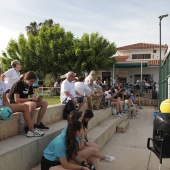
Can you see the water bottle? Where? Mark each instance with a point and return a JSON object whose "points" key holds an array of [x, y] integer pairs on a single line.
{"points": [[21, 124], [108, 103]]}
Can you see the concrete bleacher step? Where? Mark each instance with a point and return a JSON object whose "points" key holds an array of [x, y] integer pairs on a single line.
{"points": [[11, 128], [100, 134], [26, 152], [122, 127]]}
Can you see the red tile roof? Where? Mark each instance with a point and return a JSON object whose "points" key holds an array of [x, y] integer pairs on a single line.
{"points": [[141, 46], [124, 59]]}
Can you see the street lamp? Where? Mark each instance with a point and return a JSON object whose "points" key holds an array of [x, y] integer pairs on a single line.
{"points": [[160, 59]]}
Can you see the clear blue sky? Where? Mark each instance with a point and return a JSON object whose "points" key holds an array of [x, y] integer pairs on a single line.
{"points": [[124, 22]]}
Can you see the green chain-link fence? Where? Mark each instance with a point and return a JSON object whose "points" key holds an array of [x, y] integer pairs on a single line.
{"points": [[165, 74]]}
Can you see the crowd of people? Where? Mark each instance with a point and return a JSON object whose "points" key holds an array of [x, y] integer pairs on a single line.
{"points": [[72, 148], [90, 90]]}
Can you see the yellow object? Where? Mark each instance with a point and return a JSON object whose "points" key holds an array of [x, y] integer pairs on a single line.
{"points": [[165, 106]]}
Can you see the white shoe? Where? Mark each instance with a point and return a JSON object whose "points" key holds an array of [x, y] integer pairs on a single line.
{"points": [[120, 115], [35, 133], [108, 159], [124, 114]]}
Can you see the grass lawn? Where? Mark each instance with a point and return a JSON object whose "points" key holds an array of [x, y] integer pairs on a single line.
{"points": [[52, 99]]}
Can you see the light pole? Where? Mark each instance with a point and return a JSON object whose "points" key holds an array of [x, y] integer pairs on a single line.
{"points": [[160, 60]]}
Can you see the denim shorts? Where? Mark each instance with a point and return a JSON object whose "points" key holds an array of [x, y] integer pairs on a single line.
{"points": [[79, 99]]}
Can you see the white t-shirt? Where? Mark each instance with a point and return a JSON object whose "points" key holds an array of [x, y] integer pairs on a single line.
{"points": [[3, 89], [82, 88], [108, 95], [67, 86], [12, 76]]}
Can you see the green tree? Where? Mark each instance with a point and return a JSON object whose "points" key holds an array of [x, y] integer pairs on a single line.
{"points": [[93, 52], [55, 46]]}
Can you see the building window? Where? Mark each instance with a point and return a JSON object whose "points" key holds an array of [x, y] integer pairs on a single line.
{"points": [[141, 56]]}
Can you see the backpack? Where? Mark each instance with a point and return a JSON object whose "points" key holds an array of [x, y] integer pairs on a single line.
{"points": [[68, 108]]}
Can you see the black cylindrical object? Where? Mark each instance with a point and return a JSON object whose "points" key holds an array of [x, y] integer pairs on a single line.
{"points": [[160, 129]]}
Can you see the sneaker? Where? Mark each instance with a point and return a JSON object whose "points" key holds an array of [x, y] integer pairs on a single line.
{"points": [[119, 115], [42, 126], [123, 114], [35, 133], [108, 159]]}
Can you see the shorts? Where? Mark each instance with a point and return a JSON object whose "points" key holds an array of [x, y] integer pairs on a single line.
{"points": [[46, 164], [8, 91], [80, 99]]}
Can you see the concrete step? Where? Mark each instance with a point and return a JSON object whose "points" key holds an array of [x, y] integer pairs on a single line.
{"points": [[27, 152], [122, 127], [100, 134], [11, 128]]}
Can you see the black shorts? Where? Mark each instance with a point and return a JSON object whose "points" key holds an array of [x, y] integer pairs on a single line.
{"points": [[46, 164]]}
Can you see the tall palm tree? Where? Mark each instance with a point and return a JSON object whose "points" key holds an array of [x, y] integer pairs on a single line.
{"points": [[33, 28], [49, 23]]}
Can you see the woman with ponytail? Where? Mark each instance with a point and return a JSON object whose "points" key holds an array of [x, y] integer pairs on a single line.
{"points": [[62, 149]]}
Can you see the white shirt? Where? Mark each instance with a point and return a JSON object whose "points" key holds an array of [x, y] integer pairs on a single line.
{"points": [[12, 76], [67, 86], [3, 89], [108, 95], [82, 88]]}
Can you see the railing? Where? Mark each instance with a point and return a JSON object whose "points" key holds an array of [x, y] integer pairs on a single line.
{"points": [[50, 91], [165, 74]]}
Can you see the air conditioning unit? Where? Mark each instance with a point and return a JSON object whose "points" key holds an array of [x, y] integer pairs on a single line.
{"points": [[154, 51]]}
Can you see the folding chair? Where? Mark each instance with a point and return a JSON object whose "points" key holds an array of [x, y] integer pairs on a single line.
{"points": [[162, 151]]}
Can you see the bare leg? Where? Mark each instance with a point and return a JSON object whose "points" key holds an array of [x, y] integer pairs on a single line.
{"points": [[20, 108], [90, 151], [92, 144], [93, 160], [43, 107], [83, 103], [90, 103], [32, 107], [27, 117]]}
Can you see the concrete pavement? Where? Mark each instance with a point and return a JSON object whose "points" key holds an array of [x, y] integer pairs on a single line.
{"points": [[130, 148]]}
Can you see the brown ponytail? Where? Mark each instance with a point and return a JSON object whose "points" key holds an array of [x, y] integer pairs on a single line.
{"points": [[71, 142]]}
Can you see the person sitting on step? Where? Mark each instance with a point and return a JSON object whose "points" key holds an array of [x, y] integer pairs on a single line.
{"points": [[63, 149], [21, 107], [20, 93]]}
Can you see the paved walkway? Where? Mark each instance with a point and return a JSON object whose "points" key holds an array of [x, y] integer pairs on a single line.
{"points": [[130, 148]]}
